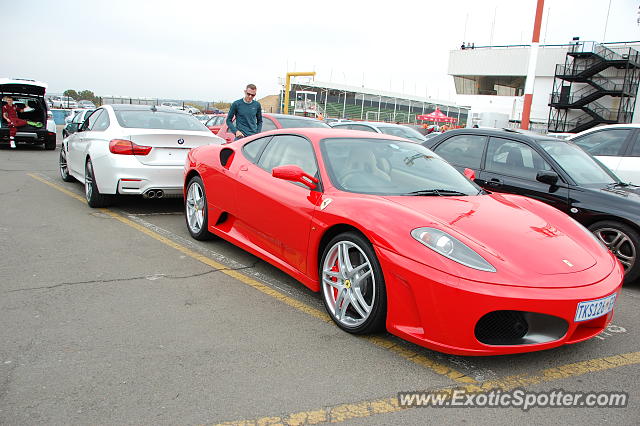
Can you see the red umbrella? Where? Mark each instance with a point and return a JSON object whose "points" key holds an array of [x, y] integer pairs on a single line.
{"points": [[437, 116]]}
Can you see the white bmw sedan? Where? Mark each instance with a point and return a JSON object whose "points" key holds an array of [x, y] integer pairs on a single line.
{"points": [[132, 149]]}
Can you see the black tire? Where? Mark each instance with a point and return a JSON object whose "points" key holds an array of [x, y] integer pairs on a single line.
{"points": [[64, 167], [91, 192], [50, 145], [196, 210], [624, 242], [372, 289]]}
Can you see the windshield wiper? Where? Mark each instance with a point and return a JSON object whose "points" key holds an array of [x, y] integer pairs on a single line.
{"points": [[440, 192], [614, 184]]}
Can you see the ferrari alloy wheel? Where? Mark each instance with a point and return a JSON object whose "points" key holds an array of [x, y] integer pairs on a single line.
{"points": [[64, 167], [196, 211], [352, 284], [92, 194], [624, 243]]}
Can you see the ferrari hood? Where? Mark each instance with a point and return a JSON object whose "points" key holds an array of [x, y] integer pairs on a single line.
{"points": [[506, 234]]}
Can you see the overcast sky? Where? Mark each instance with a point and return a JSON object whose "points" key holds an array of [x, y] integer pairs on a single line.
{"points": [[209, 50]]}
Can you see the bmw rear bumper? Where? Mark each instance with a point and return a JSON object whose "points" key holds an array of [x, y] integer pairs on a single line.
{"points": [[124, 174]]}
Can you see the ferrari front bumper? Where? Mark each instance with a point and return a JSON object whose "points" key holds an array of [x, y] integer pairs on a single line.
{"points": [[454, 315]]}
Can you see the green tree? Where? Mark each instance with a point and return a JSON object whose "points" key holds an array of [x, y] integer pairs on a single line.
{"points": [[86, 95], [89, 96], [71, 93]]}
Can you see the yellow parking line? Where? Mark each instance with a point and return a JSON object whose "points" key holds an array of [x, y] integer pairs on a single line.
{"points": [[343, 412], [403, 352]]}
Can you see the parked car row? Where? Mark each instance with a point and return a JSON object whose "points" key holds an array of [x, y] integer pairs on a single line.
{"points": [[181, 107], [491, 258], [67, 102]]}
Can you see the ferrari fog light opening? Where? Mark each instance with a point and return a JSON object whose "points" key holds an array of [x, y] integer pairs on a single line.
{"points": [[451, 248]]}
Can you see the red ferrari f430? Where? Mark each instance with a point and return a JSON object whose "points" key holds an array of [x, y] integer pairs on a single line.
{"points": [[394, 237]]}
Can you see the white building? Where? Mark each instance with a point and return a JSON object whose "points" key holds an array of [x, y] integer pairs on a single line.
{"points": [[491, 80]]}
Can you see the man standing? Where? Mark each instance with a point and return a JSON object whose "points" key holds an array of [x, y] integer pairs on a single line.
{"points": [[10, 115], [247, 113]]}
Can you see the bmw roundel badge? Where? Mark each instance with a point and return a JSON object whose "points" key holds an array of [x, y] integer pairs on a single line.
{"points": [[180, 141]]}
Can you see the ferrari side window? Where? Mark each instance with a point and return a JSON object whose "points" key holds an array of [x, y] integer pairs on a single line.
{"points": [[289, 149], [253, 149]]}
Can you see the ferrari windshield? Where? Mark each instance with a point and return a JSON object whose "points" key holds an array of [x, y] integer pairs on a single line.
{"points": [[390, 167], [582, 167]]}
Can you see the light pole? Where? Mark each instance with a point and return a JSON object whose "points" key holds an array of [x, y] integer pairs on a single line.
{"points": [[531, 72]]}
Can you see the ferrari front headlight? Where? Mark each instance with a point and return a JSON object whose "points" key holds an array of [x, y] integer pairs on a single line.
{"points": [[451, 248]]}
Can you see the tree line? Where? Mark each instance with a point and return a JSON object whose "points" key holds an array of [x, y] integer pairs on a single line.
{"points": [[88, 95], [83, 95]]}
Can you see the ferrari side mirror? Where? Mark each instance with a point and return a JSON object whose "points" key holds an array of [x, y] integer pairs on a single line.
{"points": [[294, 173], [470, 174]]}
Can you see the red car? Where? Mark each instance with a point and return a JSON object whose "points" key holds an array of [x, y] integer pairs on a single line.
{"points": [[393, 236], [275, 121], [215, 123]]}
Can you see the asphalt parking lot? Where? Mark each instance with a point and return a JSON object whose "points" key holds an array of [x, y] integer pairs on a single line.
{"points": [[117, 316]]}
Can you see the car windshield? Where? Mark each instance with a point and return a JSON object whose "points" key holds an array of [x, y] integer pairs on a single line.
{"points": [[390, 167], [402, 132], [582, 167], [148, 119], [291, 122]]}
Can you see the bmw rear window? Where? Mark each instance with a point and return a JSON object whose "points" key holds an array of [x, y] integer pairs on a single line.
{"points": [[148, 119]]}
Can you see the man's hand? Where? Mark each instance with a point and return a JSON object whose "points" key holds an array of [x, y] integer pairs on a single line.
{"points": [[239, 134]]}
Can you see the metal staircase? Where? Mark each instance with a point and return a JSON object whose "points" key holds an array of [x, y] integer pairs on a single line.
{"points": [[594, 75]]}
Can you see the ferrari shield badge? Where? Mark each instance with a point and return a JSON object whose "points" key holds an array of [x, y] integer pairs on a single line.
{"points": [[325, 203]]}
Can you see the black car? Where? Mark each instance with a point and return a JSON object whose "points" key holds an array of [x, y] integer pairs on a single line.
{"points": [[557, 172], [72, 126], [28, 98]]}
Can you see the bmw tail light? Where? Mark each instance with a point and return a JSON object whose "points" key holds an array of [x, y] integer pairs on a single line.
{"points": [[126, 147]]}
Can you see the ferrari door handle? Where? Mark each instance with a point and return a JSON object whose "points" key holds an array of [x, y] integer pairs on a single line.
{"points": [[494, 182]]}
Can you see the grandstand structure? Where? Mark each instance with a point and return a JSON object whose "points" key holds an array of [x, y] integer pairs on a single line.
{"points": [[332, 100]]}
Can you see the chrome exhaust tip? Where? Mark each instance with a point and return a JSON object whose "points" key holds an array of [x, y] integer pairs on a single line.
{"points": [[150, 194], [159, 193]]}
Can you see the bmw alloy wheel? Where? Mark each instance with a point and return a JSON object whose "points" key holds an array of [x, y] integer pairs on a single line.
{"points": [[64, 167], [88, 181]]}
